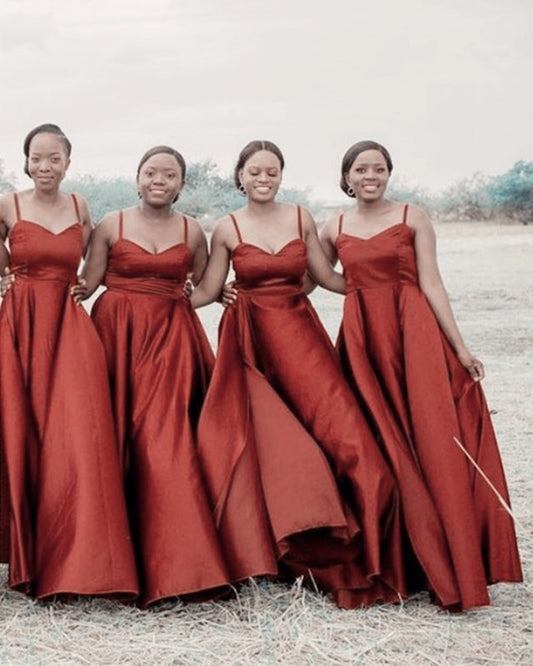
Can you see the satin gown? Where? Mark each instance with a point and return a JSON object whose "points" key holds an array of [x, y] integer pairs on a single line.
{"points": [[68, 527], [420, 397], [295, 476], [159, 361]]}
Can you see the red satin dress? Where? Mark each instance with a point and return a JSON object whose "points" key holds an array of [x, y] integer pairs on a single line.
{"points": [[420, 397], [159, 361], [68, 527], [295, 476]]}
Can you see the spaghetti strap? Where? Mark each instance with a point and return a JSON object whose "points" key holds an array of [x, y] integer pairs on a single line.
{"points": [[404, 221], [17, 206], [120, 223], [300, 232], [236, 227], [185, 229], [341, 220], [77, 207]]}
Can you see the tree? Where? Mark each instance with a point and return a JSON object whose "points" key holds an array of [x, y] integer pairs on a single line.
{"points": [[7, 180], [467, 199], [512, 192], [104, 195], [413, 194]]}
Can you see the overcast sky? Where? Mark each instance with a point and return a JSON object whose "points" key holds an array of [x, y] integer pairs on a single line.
{"points": [[446, 85]]}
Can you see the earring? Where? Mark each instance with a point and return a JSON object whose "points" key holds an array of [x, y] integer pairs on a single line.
{"points": [[242, 189], [350, 191]]}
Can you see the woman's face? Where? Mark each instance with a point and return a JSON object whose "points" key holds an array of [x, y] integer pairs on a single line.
{"points": [[368, 175], [160, 180], [47, 161], [261, 176]]}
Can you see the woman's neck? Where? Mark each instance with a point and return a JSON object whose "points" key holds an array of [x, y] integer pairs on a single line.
{"points": [[49, 198], [155, 213], [376, 207], [260, 209]]}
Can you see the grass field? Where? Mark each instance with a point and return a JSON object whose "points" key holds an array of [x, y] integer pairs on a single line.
{"points": [[488, 270]]}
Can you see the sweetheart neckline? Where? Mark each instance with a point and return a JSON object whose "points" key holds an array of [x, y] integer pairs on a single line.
{"points": [[379, 233], [153, 254], [40, 226], [269, 252]]}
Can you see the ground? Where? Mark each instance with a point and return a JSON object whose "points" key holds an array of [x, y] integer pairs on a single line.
{"points": [[488, 270]]}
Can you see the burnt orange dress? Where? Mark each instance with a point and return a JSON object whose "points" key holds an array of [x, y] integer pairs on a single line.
{"points": [[296, 478], [420, 397], [159, 362], [68, 527]]}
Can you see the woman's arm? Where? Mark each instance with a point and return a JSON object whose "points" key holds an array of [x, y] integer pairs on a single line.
{"points": [[5, 272], [432, 285], [198, 246], [210, 286], [86, 221], [95, 264], [320, 268]]}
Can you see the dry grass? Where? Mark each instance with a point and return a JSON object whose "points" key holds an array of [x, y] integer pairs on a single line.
{"points": [[488, 271]]}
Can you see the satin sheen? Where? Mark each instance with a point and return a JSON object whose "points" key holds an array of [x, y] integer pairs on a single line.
{"points": [[68, 525], [420, 397], [159, 362], [294, 474]]}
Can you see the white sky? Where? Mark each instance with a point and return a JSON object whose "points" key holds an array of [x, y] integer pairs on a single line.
{"points": [[446, 85]]}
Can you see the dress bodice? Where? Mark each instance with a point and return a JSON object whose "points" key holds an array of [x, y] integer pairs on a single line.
{"points": [[37, 252], [133, 268], [130, 260], [385, 259], [258, 269]]}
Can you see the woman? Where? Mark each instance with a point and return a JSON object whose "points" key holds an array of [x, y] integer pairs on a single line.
{"points": [[280, 428], [159, 364], [68, 529], [403, 354]]}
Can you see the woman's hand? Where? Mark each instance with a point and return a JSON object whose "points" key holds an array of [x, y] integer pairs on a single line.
{"points": [[188, 286], [229, 294], [79, 291], [7, 280], [472, 364]]}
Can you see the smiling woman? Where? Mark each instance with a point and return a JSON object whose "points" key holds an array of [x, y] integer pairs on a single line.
{"points": [[404, 356], [159, 364], [66, 518], [296, 478]]}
